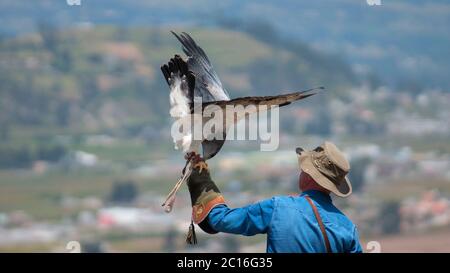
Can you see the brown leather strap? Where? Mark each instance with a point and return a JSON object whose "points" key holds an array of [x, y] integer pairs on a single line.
{"points": [[319, 220]]}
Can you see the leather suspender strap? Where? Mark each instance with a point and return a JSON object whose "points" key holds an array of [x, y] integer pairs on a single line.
{"points": [[319, 220]]}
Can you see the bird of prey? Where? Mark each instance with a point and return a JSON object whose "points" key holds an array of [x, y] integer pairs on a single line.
{"points": [[195, 77]]}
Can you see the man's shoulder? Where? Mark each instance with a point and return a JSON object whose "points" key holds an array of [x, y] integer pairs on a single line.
{"points": [[300, 202], [286, 199]]}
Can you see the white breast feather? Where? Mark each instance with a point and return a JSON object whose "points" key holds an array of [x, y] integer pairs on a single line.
{"points": [[179, 102], [179, 109]]}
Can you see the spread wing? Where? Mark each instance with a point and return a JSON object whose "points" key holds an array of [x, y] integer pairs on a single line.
{"points": [[212, 147], [207, 83], [280, 100]]}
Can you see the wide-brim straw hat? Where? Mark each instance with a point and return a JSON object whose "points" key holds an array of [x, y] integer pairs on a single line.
{"points": [[328, 166]]}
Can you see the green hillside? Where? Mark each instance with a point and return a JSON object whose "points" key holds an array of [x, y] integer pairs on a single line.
{"points": [[107, 78]]}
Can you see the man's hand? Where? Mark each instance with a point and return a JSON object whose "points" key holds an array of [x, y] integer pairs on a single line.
{"points": [[197, 161], [204, 194]]}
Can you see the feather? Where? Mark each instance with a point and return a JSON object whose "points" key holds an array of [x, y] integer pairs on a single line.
{"points": [[208, 85], [181, 83], [280, 100]]}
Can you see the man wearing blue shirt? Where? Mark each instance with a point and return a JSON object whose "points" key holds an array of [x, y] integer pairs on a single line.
{"points": [[304, 223]]}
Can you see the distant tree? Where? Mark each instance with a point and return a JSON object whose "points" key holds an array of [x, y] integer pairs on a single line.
{"points": [[231, 244], [53, 42], [49, 35], [262, 30], [357, 172], [51, 153], [124, 192], [4, 131], [274, 181], [63, 114], [15, 157], [63, 59], [389, 217], [170, 239], [92, 247]]}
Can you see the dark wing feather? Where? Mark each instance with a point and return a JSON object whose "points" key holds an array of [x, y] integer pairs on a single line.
{"points": [[280, 100], [212, 147], [208, 85], [177, 67]]}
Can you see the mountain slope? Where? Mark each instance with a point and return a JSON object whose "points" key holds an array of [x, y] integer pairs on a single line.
{"points": [[405, 42], [106, 77]]}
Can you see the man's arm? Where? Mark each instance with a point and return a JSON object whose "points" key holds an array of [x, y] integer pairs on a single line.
{"points": [[248, 220], [212, 215]]}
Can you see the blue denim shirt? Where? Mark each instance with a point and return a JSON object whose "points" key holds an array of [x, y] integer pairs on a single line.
{"points": [[290, 223]]}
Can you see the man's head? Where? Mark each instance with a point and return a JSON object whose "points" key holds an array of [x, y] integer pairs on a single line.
{"points": [[324, 168]]}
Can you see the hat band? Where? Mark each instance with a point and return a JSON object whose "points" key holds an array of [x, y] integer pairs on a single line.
{"points": [[327, 168]]}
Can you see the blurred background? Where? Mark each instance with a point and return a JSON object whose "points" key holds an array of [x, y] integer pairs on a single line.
{"points": [[85, 147]]}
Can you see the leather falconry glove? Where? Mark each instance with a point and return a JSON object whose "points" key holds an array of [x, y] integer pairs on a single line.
{"points": [[204, 197]]}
